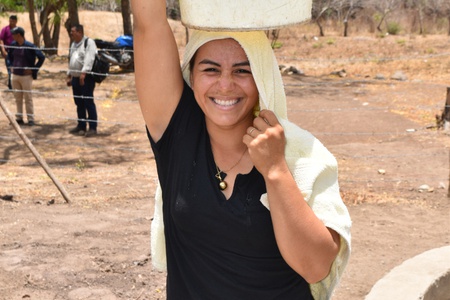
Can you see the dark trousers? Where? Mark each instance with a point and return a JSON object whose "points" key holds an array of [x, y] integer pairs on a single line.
{"points": [[8, 66], [84, 100]]}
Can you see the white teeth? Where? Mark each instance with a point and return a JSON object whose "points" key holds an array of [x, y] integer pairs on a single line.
{"points": [[225, 102]]}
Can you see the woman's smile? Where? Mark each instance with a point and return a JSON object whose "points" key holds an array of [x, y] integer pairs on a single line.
{"points": [[225, 103]]}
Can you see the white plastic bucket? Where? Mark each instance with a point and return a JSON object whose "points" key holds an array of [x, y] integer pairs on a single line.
{"points": [[243, 15]]}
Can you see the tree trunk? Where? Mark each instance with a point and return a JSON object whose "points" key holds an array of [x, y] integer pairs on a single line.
{"points": [[275, 36], [420, 20], [320, 28], [446, 112], [320, 17], [45, 31], [347, 16], [345, 28], [126, 17], [50, 27], [448, 18], [381, 21], [73, 16], [33, 22], [55, 36]]}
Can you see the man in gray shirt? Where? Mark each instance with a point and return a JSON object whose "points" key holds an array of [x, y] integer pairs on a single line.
{"points": [[81, 59]]}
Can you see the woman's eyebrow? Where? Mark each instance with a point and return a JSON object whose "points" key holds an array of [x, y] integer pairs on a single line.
{"points": [[210, 62], [242, 64]]}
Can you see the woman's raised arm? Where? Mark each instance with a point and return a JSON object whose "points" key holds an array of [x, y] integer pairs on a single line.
{"points": [[159, 82]]}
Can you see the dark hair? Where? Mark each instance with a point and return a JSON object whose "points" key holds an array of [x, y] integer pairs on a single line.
{"points": [[18, 30], [79, 28], [13, 17], [192, 61]]}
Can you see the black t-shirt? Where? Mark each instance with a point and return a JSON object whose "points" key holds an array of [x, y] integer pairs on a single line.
{"points": [[216, 248]]}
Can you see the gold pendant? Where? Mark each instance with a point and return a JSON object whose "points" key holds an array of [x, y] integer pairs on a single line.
{"points": [[223, 185]]}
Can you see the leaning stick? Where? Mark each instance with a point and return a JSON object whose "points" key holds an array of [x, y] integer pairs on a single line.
{"points": [[35, 152]]}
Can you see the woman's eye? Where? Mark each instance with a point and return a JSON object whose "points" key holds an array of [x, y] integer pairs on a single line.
{"points": [[243, 71], [210, 70]]}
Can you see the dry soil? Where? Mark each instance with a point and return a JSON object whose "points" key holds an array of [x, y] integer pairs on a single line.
{"points": [[393, 162]]}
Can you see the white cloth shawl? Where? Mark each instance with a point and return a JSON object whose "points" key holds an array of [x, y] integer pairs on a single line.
{"points": [[313, 167]]}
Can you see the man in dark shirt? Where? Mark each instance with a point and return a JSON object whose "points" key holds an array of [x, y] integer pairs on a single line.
{"points": [[24, 68]]}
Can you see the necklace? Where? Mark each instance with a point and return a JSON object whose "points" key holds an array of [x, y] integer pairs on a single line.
{"points": [[222, 183]]}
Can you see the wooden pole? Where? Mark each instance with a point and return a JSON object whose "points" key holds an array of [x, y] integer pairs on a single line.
{"points": [[446, 114], [35, 152], [446, 126]]}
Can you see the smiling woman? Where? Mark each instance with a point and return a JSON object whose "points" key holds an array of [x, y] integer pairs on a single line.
{"points": [[256, 230]]}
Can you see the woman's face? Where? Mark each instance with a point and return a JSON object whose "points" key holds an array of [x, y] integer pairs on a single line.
{"points": [[223, 83]]}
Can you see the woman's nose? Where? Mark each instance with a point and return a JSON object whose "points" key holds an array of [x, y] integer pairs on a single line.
{"points": [[226, 82]]}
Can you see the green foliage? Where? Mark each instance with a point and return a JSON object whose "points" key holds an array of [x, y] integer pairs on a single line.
{"points": [[329, 12], [331, 41], [12, 6], [80, 165], [393, 28], [317, 45], [377, 17], [277, 45]]}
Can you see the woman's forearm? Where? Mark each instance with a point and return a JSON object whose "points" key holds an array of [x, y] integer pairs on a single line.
{"points": [[305, 243]]}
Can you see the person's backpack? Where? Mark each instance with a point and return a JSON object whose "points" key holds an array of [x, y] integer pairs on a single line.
{"points": [[100, 68]]}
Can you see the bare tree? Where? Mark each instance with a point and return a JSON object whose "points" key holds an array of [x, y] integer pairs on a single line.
{"points": [[349, 9], [418, 6], [321, 10], [432, 9], [384, 7], [447, 12], [441, 9], [50, 20], [32, 18], [126, 16]]}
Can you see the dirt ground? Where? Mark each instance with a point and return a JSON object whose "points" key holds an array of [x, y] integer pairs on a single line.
{"points": [[394, 166]]}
